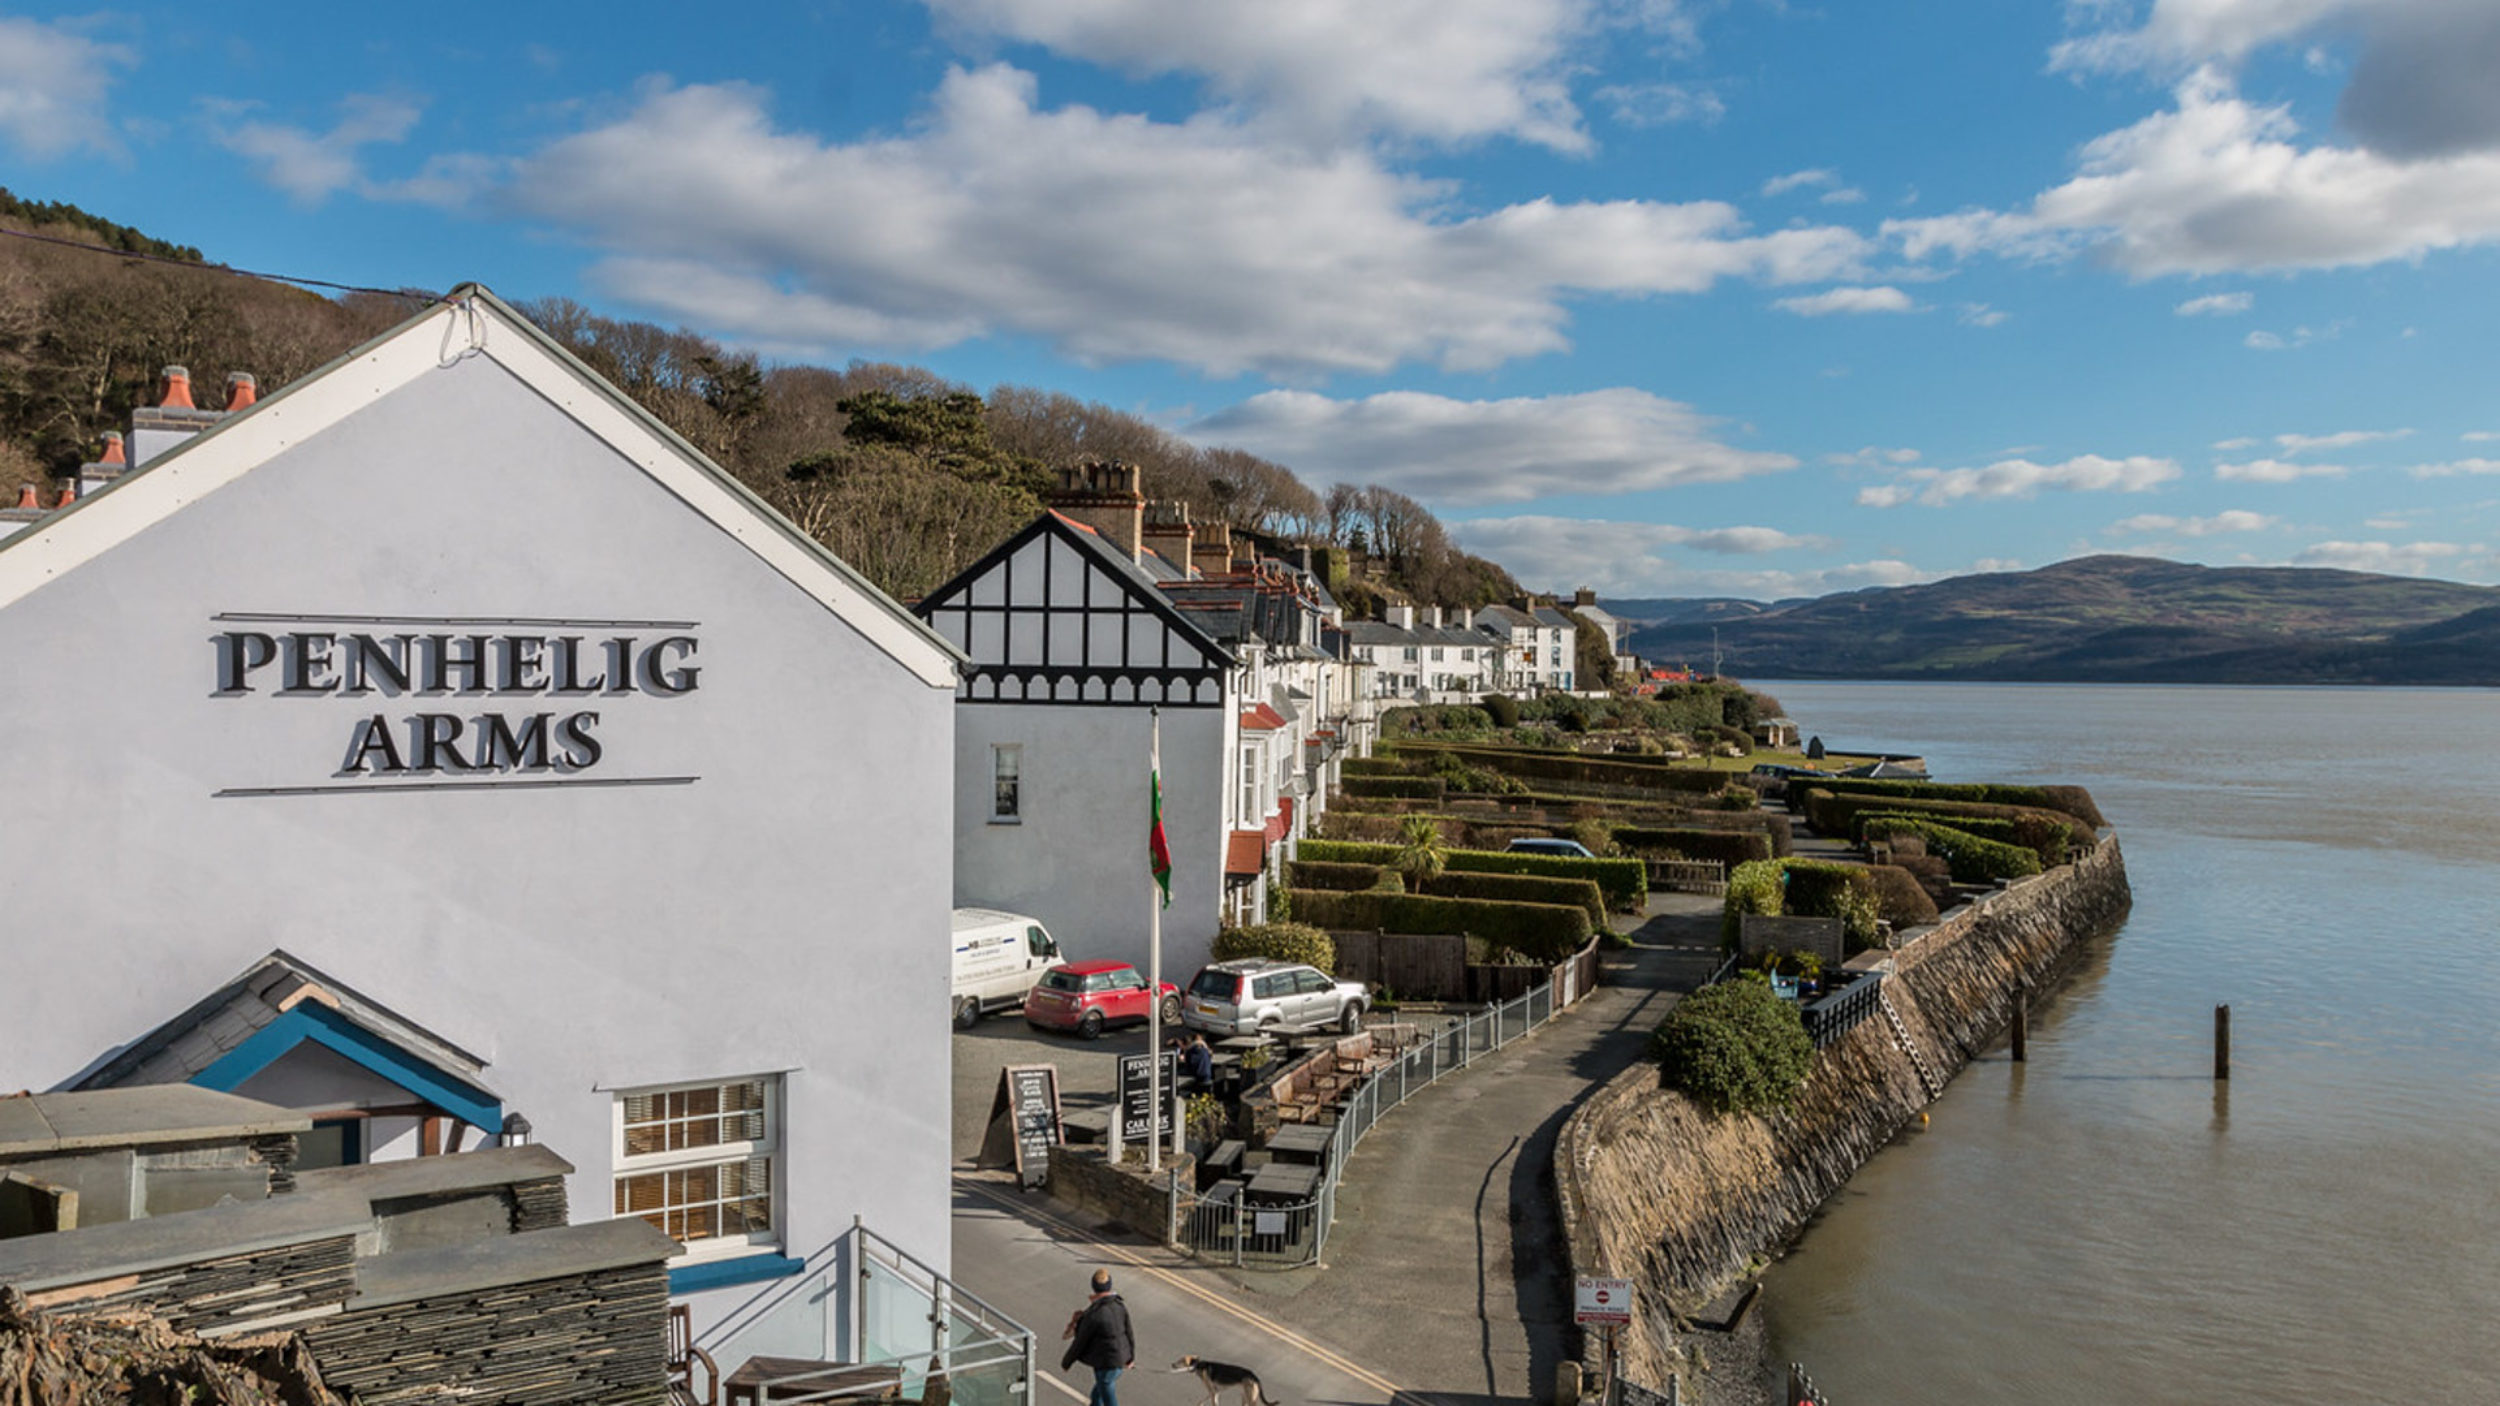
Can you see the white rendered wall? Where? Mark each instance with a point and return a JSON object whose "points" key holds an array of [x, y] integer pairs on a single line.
{"points": [[787, 912], [1077, 860]]}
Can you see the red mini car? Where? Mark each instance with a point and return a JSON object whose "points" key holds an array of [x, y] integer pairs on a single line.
{"points": [[1091, 997]]}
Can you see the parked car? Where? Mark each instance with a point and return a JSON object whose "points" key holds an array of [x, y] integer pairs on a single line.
{"points": [[1568, 849], [1091, 997], [997, 958], [1258, 995]]}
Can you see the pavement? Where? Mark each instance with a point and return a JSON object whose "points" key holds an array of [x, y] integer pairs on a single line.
{"points": [[1446, 1279]]}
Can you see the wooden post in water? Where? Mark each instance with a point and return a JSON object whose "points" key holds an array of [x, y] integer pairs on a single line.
{"points": [[2022, 1020], [2222, 1041]]}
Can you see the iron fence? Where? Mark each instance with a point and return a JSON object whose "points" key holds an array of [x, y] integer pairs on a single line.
{"points": [[1289, 1235], [1837, 1012]]}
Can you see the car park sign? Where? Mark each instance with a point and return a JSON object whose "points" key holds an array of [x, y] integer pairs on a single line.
{"points": [[1604, 1303]]}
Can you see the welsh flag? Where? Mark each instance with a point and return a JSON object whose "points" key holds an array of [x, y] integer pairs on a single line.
{"points": [[1158, 852]]}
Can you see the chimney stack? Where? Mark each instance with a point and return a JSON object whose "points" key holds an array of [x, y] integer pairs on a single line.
{"points": [[177, 389], [1212, 552], [242, 391], [1245, 556], [1168, 532], [1104, 497], [1583, 598], [1402, 616]]}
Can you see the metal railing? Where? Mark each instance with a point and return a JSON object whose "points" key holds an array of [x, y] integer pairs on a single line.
{"points": [[1837, 1012], [1293, 1234], [1703, 876]]}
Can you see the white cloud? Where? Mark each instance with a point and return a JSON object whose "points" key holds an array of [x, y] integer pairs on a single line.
{"points": [[1799, 180], [2456, 467], [2162, 524], [56, 87], [1111, 236], [2397, 559], [1872, 456], [2219, 185], [2021, 478], [1488, 451], [2241, 442], [1991, 565], [1660, 104], [1846, 195], [1982, 315], [2299, 337], [2275, 471], [2217, 305], [1650, 559], [2341, 439], [1848, 300], [2479, 436], [1445, 70], [310, 167]]}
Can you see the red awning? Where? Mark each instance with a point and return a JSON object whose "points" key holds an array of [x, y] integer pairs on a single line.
{"points": [[1245, 854], [1261, 719]]}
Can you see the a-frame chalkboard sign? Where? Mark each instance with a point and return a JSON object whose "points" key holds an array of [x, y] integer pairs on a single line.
{"points": [[1024, 1122]]}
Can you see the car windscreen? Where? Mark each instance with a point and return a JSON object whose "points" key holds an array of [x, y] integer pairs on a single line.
{"points": [[1062, 981], [1215, 986]]}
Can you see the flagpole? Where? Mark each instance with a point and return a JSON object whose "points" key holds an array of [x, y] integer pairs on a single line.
{"points": [[1154, 973]]}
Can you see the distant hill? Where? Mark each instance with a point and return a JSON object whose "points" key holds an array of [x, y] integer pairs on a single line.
{"points": [[2115, 619], [1691, 610]]}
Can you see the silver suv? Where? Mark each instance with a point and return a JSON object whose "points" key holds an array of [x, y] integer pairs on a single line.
{"points": [[1258, 995]]}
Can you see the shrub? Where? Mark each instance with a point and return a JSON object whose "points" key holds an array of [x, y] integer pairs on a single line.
{"points": [[1284, 942], [1728, 847], [1502, 708], [2066, 800], [1569, 767], [1625, 882], [1522, 888], [1595, 834], [1373, 766], [1870, 825], [1543, 932], [1344, 878], [1899, 898], [1734, 1048], [1739, 798], [1833, 813], [1821, 889], [1757, 887], [1426, 788], [1421, 855], [1970, 859]]}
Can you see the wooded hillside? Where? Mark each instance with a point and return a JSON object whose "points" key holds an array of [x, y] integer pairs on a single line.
{"points": [[904, 474]]}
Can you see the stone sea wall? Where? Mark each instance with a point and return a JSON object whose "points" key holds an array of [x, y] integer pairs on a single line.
{"points": [[1682, 1202]]}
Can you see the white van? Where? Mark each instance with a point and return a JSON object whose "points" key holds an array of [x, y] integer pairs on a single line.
{"points": [[998, 958]]}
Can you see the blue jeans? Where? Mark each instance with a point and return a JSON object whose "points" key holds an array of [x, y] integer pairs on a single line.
{"points": [[1104, 1395]]}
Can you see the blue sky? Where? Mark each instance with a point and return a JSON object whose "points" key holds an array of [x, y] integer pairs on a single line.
{"points": [[1669, 297]]}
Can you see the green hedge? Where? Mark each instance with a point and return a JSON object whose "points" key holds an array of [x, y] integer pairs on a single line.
{"points": [[1648, 773], [2001, 831], [1972, 859], [1755, 887], [1729, 847], [1583, 894], [1834, 814], [1284, 942], [1372, 766], [1625, 882], [1734, 1048], [1821, 889], [1419, 788], [1899, 898], [1343, 878], [1543, 932], [2068, 800]]}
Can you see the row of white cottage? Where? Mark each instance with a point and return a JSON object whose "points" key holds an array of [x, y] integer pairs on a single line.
{"points": [[448, 750]]}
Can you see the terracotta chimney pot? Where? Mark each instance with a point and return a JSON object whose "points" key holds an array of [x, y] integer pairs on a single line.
{"points": [[177, 389], [113, 448], [26, 496], [69, 495], [242, 392]]}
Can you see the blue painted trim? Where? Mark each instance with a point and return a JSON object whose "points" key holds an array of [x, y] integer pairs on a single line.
{"points": [[325, 1027], [720, 1274]]}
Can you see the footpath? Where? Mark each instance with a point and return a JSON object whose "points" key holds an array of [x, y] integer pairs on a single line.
{"points": [[1446, 1269]]}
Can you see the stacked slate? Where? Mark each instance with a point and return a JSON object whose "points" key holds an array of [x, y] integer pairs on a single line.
{"points": [[209, 1294], [597, 1337], [279, 1152], [538, 1205]]}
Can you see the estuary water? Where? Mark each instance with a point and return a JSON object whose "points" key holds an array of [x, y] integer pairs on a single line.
{"points": [[2106, 1223]]}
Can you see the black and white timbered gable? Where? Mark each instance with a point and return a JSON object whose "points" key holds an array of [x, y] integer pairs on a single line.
{"points": [[1058, 615]]}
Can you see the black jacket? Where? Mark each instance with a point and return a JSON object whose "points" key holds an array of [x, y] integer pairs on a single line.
{"points": [[1102, 1336]]}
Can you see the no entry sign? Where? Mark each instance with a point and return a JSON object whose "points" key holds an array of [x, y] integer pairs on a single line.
{"points": [[1604, 1303]]}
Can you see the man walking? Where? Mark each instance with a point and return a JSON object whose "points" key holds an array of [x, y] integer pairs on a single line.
{"points": [[1098, 1336]]}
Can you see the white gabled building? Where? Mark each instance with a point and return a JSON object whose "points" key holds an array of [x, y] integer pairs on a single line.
{"points": [[442, 748]]}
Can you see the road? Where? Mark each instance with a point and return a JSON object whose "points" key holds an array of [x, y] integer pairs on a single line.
{"points": [[1028, 1259]]}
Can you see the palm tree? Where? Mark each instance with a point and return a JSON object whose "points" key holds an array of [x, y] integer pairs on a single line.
{"points": [[1421, 855]]}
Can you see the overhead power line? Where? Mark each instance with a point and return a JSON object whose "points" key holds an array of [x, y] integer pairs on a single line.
{"points": [[414, 295]]}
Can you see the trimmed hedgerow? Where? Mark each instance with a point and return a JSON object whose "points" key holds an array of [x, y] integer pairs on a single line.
{"points": [[1834, 814], [1543, 932], [1729, 847], [2068, 800], [1521, 888], [1821, 889], [1649, 773], [1343, 878], [2047, 836], [1284, 942], [1971, 859], [1757, 887], [1734, 1048], [1502, 708], [1625, 882], [1899, 898], [1421, 788], [1372, 766], [1862, 826]]}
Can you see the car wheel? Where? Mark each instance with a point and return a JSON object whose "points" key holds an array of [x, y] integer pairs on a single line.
{"points": [[1351, 1023], [1091, 1026], [967, 1013], [1171, 1010]]}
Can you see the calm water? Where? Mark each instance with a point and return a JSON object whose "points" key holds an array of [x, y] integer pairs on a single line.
{"points": [[2106, 1224]]}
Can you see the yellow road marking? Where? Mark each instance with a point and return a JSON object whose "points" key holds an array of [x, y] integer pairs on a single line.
{"points": [[1123, 1253]]}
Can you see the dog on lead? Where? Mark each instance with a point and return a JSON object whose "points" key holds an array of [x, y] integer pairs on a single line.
{"points": [[1219, 1377]]}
